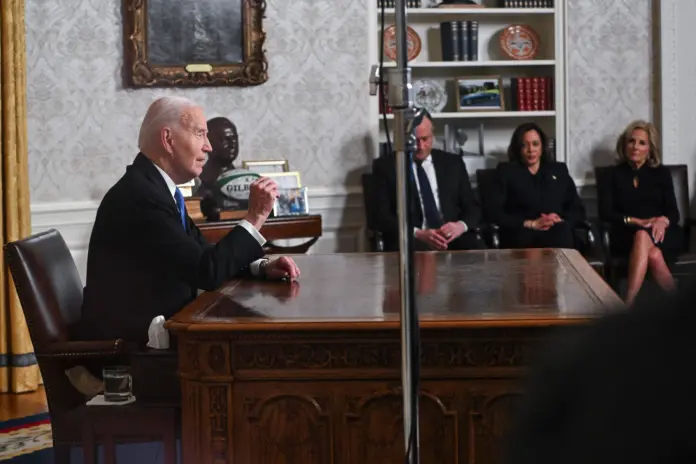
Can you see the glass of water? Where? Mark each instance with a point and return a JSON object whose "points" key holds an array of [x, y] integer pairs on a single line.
{"points": [[118, 384]]}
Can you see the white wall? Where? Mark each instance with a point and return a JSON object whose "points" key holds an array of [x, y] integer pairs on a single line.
{"points": [[678, 93]]}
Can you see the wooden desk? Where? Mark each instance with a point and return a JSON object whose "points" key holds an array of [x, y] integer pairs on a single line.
{"points": [[310, 372], [281, 228]]}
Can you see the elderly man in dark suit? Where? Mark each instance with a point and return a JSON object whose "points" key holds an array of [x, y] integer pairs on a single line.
{"points": [[146, 256], [445, 208]]}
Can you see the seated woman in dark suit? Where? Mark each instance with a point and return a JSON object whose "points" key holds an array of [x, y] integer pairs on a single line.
{"points": [[642, 209], [535, 204]]}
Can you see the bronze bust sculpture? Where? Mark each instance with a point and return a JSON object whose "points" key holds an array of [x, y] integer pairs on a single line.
{"points": [[224, 140]]}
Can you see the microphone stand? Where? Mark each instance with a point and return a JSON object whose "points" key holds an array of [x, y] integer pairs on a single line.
{"points": [[401, 101]]}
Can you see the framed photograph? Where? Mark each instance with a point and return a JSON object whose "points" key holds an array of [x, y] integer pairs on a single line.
{"points": [[187, 188], [291, 202], [176, 43], [263, 167], [285, 180], [479, 94]]}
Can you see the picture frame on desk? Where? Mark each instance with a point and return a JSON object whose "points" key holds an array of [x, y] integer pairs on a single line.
{"points": [[285, 180], [480, 93], [291, 202], [265, 166], [187, 188]]}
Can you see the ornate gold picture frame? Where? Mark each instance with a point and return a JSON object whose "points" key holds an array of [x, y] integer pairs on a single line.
{"points": [[180, 43]]}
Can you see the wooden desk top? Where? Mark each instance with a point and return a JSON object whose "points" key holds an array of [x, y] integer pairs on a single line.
{"points": [[454, 289]]}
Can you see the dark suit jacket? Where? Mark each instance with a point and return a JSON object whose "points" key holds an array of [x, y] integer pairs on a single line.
{"points": [[520, 196], [457, 200], [142, 263], [620, 391]]}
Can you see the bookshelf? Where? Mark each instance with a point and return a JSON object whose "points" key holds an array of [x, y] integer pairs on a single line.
{"points": [[498, 125]]}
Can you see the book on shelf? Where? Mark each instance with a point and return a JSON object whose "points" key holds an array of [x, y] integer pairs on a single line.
{"points": [[391, 4], [459, 40], [526, 3], [531, 93]]}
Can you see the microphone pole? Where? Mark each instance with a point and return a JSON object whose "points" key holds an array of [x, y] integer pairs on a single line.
{"points": [[401, 101]]}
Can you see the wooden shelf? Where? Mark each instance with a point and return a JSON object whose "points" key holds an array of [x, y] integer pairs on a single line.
{"points": [[472, 11], [549, 23], [475, 64], [488, 114]]}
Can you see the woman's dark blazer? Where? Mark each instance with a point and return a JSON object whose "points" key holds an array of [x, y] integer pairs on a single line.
{"points": [[521, 195]]}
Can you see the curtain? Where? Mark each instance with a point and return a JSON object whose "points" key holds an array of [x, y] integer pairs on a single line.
{"points": [[18, 369]]}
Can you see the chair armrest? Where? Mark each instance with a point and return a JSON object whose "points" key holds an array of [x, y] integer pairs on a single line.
{"points": [[491, 231], [585, 227], [378, 241], [375, 240], [605, 231], [85, 349]]}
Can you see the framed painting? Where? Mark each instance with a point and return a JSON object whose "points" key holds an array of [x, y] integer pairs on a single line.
{"points": [[179, 43]]}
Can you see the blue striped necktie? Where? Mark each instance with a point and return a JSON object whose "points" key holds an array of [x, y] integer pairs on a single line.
{"points": [[433, 220], [179, 197]]}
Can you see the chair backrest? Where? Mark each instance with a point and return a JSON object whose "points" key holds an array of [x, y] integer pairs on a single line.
{"points": [[485, 181], [679, 174], [48, 285], [367, 180], [680, 179]]}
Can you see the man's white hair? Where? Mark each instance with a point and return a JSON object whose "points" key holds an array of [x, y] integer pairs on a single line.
{"points": [[162, 112]]}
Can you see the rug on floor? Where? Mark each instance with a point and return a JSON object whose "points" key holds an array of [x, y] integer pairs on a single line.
{"points": [[25, 435]]}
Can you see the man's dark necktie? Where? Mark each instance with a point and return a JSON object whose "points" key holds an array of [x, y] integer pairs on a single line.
{"points": [[182, 207], [433, 220]]}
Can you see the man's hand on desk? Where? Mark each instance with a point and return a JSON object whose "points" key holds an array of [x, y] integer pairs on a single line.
{"points": [[432, 237], [262, 195], [452, 230], [282, 268]]}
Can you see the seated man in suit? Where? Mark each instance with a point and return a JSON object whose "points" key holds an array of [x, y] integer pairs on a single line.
{"points": [[146, 256], [445, 208]]}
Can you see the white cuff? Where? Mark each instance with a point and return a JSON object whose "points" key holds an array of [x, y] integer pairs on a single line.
{"points": [[466, 228], [252, 230], [255, 267]]}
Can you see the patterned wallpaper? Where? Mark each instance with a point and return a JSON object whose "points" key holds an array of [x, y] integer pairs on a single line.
{"points": [[83, 124], [610, 69], [313, 111]]}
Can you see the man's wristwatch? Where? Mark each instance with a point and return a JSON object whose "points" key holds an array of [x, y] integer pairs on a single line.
{"points": [[262, 268]]}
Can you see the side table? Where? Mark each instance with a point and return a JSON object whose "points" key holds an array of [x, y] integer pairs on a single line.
{"points": [[132, 423]]}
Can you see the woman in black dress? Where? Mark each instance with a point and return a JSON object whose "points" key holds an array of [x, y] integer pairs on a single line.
{"points": [[642, 209], [536, 203]]}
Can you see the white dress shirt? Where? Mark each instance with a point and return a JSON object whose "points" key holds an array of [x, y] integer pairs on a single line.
{"points": [[253, 267], [429, 169]]}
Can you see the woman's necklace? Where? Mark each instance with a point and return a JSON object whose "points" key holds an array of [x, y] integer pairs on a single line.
{"points": [[635, 181]]}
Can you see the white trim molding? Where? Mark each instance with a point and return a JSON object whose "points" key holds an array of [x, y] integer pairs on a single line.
{"points": [[677, 92], [341, 209]]}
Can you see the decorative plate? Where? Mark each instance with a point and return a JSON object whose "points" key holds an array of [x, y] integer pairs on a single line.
{"points": [[413, 42], [429, 94], [519, 42]]}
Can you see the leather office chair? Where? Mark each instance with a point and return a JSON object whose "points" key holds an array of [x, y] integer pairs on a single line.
{"points": [[50, 291], [617, 267], [585, 241], [374, 236], [485, 183]]}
